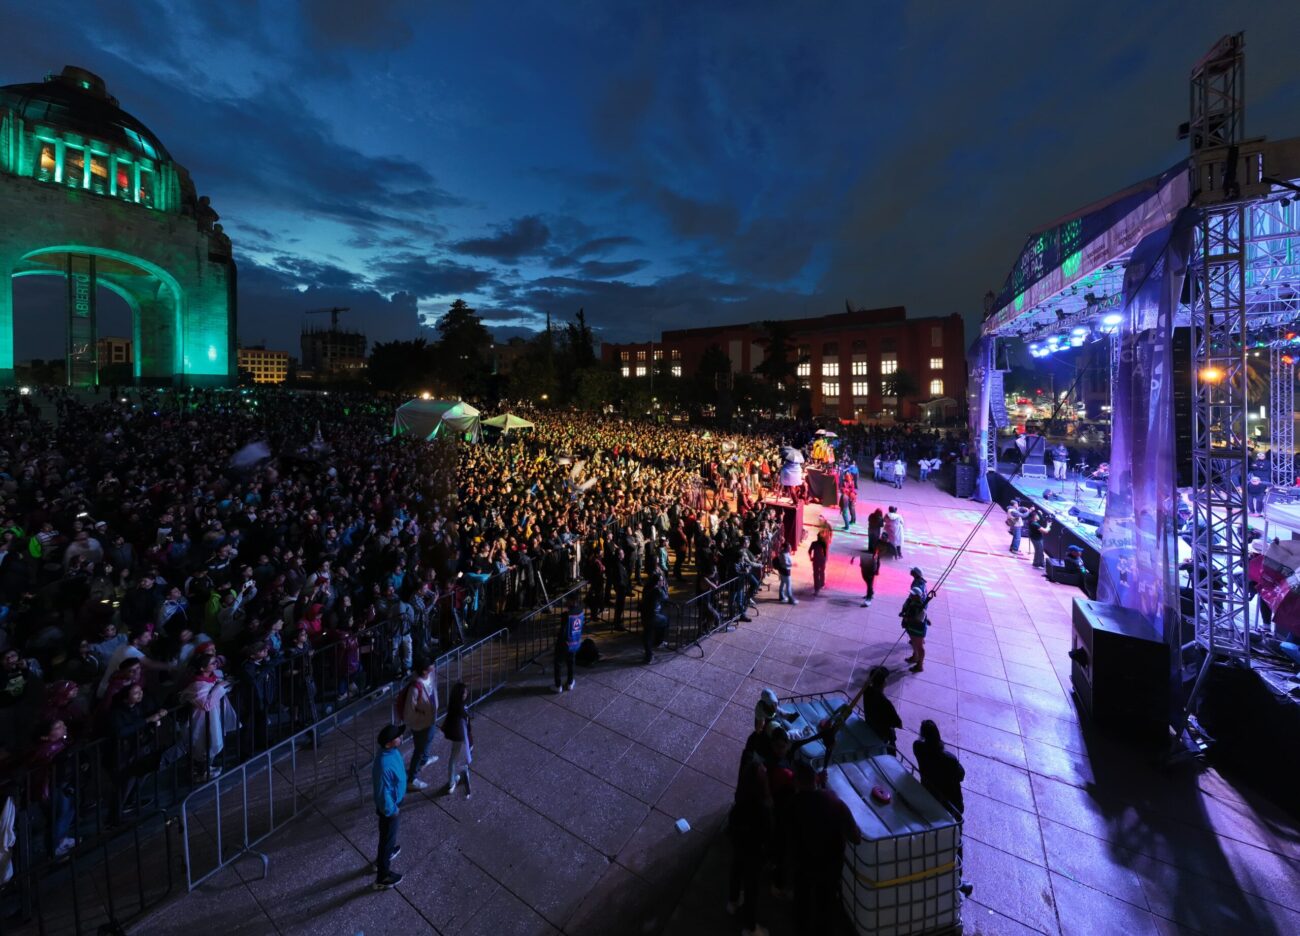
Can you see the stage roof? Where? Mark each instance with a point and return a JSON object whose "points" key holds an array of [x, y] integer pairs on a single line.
{"points": [[1072, 271]]}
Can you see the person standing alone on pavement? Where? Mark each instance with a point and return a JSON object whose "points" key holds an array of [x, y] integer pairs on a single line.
{"points": [[869, 566], [419, 712], [388, 775], [915, 621], [817, 553], [456, 729], [567, 642], [784, 565], [878, 712]]}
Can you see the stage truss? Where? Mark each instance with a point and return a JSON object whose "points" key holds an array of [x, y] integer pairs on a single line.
{"points": [[1281, 412]]}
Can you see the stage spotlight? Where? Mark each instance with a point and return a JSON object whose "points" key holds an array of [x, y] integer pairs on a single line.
{"points": [[1211, 375], [1076, 341], [1079, 330], [1112, 319], [1288, 359]]}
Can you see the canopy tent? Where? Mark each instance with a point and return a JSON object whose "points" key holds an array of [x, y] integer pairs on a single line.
{"points": [[430, 419], [507, 421]]}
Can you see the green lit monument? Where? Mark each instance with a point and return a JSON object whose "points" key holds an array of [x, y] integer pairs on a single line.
{"points": [[87, 192]]}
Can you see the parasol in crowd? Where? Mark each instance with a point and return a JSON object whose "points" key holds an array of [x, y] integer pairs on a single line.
{"points": [[827, 433]]}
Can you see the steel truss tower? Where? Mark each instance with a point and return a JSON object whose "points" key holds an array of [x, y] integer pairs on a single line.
{"points": [[1281, 414]]}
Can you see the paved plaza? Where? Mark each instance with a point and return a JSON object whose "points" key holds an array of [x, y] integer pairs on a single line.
{"points": [[571, 828]]}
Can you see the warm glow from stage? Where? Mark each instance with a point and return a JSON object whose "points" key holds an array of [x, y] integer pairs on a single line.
{"points": [[1211, 375]]}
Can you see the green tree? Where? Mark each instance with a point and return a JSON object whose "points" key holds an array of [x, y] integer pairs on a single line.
{"points": [[402, 366], [902, 385], [780, 360], [579, 348], [462, 349]]}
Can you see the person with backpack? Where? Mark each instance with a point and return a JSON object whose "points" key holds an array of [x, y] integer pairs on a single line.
{"points": [[915, 621], [418, 709], [388, 779], [568, 639]]}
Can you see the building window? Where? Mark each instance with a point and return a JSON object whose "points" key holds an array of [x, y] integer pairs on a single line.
{"points": [[675, 354], [47, 163], [640, 371], [936, 336], [803, 369], [805, 383], [623, 355], [659, 354], [640, 355], [74, 166], [861, 390], [886, 388], [830, 389], [888, 363], [99, 173], [627, 371], [936, 388], [144, 195], [830, 368], [859, 364], [936, 363], [676, 370]]}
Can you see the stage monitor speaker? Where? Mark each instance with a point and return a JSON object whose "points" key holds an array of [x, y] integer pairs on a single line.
{"points": [[1035, 448], [1184, 397], [1120, 670]]}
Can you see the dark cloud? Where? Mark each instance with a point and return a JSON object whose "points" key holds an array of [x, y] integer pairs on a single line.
{"points": [[523, 237], [424, 278], [610, 269]]}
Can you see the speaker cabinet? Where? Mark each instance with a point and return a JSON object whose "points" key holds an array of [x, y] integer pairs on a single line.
{"points": [[1120, 671]]}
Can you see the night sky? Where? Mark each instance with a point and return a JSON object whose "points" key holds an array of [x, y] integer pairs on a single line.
{"points": [[659, 164]]}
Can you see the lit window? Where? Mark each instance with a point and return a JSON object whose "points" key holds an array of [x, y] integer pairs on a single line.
{"points": [[936, 388], [859, 365], [145, 194], [676, 354], [830, 388], [803, 369], [805, 383], [659, 354], [936, 336], [622, 355], [936, 363], [640, 355], [886, 386], [677, 370], [888, 364], [74, 166], [640, 371], [830, 368], [99, 173], [124, 186], [47, 163], [861, 389], [627, 372]]}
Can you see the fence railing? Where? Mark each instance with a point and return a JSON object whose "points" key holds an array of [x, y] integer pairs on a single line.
{"points": [[229, 817]]}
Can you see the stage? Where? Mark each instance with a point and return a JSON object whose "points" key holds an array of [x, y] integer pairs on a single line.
{"points": [[1071, 504]]}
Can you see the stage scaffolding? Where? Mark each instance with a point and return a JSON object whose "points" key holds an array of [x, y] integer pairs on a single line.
{"points": [[1281, 412], [1242, 295]]}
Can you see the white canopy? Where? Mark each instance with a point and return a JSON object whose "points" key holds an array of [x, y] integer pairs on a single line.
{"points": [[429, 419], [508, 421]]}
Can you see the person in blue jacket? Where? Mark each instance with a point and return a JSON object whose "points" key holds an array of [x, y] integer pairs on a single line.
{"points": [[389, 777]]}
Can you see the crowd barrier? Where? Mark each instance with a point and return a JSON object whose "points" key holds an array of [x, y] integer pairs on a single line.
{"points": [[229, 817]]}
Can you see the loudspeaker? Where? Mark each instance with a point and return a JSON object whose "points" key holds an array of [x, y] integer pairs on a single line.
{"points": [[791, 520], [1120, 671], [1184, 396]]}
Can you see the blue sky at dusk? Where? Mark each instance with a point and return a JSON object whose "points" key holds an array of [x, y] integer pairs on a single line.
{"points": [[659, 164]]}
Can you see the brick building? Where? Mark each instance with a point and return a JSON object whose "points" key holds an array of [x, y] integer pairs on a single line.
{"points": [[847, 361]]}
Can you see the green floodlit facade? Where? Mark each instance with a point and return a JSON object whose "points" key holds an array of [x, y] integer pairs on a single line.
{"points": [[88, 193]]}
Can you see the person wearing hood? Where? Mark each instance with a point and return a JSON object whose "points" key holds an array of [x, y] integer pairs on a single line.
{"points": [[915, 621]]}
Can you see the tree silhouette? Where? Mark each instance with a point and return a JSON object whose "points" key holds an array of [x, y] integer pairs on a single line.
{"points": [[901, 386], [462, 348]]}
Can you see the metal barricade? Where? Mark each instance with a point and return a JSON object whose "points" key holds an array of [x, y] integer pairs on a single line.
{"points": [[534, 634], [229, 817]]}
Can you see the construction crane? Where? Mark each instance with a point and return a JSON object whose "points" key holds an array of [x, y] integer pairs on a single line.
{"points": [[333, 314]]}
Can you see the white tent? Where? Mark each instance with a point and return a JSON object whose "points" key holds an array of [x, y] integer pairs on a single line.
{"points": [[429, 419], [507, 422]]}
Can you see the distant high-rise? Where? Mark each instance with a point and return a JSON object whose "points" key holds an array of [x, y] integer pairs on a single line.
{"points": [[332, 353]]}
